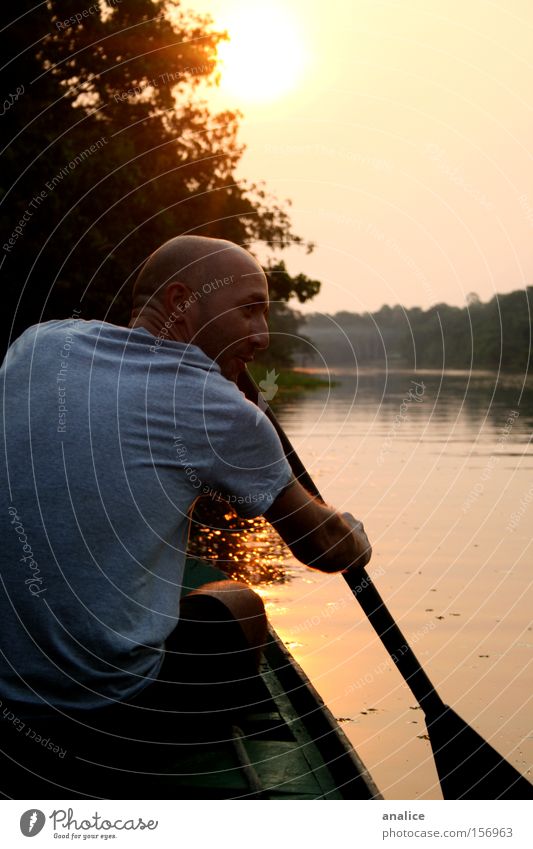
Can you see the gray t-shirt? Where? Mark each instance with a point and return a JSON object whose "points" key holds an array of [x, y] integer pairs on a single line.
{"points": [[107, 440]]}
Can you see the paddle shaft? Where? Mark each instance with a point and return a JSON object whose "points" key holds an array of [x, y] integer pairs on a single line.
{"points": [[361, 585]]}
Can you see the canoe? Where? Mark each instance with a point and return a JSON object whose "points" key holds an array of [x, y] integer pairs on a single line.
{"points": [[294, 748]]}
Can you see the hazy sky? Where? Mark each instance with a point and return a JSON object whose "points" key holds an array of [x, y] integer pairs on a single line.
{"points": [[404, 138]]}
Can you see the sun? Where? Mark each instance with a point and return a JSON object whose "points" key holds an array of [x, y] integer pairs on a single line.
{"points": [[264, 57]]}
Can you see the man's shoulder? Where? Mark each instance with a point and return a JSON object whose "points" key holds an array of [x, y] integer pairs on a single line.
{"points": [[43, 328], [56, 328], [219, 392]]}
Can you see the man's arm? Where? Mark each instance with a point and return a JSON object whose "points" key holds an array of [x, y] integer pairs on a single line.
{"points": [[317, 534]]}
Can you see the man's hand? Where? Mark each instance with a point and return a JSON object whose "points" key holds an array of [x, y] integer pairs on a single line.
{"points": [[317, 534], [362, 540]]}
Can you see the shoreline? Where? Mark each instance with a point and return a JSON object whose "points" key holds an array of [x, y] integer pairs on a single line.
{"points": [[287, 381]]}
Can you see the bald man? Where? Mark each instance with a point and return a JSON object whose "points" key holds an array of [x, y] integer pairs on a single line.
{"points": [[112, 435]]}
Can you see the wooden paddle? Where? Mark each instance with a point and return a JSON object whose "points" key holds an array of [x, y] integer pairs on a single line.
{"points": [[468, 767]]}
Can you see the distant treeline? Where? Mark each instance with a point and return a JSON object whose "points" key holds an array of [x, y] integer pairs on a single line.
{"points": [[491, 335]]}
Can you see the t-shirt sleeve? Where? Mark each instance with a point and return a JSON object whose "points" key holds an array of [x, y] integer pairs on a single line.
{"points": [[249, 465]]}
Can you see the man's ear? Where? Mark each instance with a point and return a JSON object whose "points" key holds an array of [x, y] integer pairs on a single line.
{"points": [[177, 299]]}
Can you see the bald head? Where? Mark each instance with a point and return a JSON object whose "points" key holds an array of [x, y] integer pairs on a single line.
{"points": [[205, 292], [193, 260]]}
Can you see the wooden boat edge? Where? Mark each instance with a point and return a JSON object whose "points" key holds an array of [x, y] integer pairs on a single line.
{"points": [[344, 759]]}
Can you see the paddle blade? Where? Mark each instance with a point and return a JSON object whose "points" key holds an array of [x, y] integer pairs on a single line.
{"points": [[468, 767]]}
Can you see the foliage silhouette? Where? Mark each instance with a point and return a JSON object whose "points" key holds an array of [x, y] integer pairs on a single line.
{"points": [[110, 150]]}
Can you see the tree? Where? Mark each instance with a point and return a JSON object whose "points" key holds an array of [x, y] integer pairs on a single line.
{"points": [[473, 300], [282, 286], [495, 335], [111, 151]]}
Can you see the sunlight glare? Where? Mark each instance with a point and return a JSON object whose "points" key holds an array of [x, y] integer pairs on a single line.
{"points": [[264, 57]]}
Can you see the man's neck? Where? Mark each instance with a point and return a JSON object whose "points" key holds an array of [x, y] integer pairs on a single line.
{"points": [[155, 323]]}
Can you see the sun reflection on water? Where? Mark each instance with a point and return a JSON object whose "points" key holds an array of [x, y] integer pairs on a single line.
{"points": [[247, 550]]}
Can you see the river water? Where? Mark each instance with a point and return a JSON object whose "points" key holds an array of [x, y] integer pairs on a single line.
{"points": [[439, 467]]}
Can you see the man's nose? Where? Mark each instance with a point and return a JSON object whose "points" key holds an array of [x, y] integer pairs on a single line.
{"points": [[260, 335]]}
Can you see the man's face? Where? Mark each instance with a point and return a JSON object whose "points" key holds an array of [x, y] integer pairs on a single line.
{"points": [[233, 313]]}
